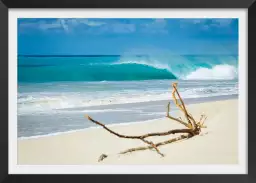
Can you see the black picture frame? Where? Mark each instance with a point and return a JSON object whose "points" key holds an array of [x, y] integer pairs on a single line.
{"points": [[5, 177]]}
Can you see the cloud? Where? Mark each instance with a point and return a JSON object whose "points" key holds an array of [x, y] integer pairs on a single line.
{"points": [[71, 24], [27, 25], [205, 24], [46, 26], [198, 21], [64, 25], [81, 21], [160, 22], [123, 28], [155, 26], [190, 21], [91, 23], [59, 24], [221, 22], [112, 26]]}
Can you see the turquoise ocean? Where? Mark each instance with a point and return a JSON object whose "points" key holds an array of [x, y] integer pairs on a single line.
{"points": [[54, 92]]}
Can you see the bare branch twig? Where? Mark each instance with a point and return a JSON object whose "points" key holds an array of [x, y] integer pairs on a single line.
{"points": [[193, 128], [181, 137]]}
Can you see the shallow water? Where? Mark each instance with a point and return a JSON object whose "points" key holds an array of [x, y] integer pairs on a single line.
{"points": [[68, 120]]}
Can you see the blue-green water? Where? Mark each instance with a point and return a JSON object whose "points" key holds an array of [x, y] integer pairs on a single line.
{"points": [[121, 68], [55, 92]]}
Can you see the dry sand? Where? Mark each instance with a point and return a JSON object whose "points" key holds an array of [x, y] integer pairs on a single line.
{"points": [[218, 144]]}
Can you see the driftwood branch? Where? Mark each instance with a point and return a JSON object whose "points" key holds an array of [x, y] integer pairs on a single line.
{"points": [[192, 128], [173, 118], [142, 137], [181, 137]]}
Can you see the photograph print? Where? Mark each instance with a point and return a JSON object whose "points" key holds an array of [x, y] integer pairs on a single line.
{"points": [[127, 91]]}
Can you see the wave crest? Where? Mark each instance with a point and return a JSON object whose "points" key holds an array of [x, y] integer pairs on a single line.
{"points": [[189, 71], [154, 64], [130, 68], [227, 72]]}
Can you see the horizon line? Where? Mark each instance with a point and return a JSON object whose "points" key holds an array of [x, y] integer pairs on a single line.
{"points": [[102, 55]]}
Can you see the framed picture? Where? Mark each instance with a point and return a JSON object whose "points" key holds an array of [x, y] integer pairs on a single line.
{"points": [[126, 88]]}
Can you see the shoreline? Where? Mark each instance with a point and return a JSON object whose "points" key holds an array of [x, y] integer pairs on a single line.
{"points": [[218, 144], [190, 101], [88, 128]]}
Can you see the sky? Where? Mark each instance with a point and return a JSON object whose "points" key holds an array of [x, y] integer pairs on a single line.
{"points": [[81, 36]]}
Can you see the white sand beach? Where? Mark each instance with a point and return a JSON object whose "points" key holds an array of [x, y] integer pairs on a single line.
{"points": [[217, 144]]}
